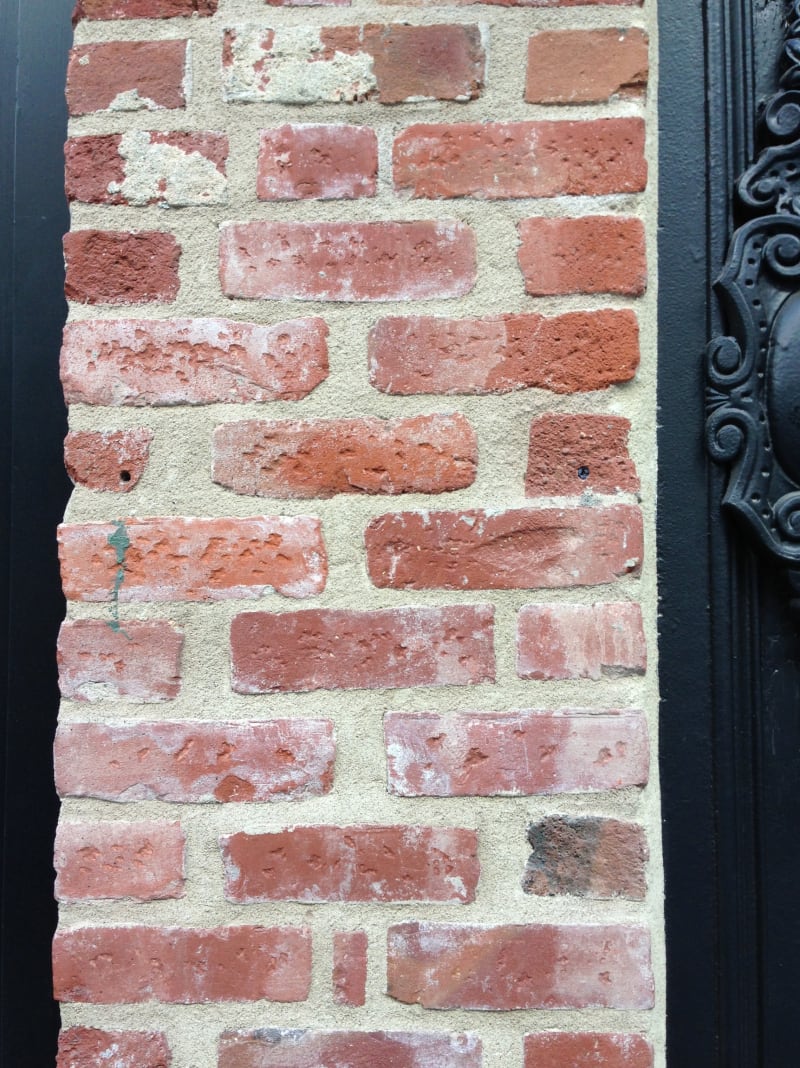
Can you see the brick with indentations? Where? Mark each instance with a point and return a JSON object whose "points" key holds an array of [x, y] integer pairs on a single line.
{"points": [[586, 856], [119, 267], [127, 76], [514, 753], [317, 162], [497, 160], [586, 66], [111, 460], [587, 1049], [344, 261], [569, 353], [594, 254], [349, 978], [132, 660], [192, 762], [141, 9], [332, 649], [580, 641], [191, 361], [323, 457], [569, 454], [88, 1047], [520, 966], [112, 965], [296, 1048]]}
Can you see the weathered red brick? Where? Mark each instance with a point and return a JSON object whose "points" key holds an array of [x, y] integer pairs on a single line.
{"points": [[347, 261], [520, 966], [118, 860], [593, 254], [586, 66], [570, 454], [587, 1049], [127, 76], [108, 267], [580, 641], [359, 863], [141, 168], [137, 661], [569, 353], [496, 160], [586, 856], [330, 649], [179, 558], [191, 361], [323, 457], [275, 1048], [390, 64], [88, 1047], [489, 753], [520, 549], [141, 9], [110, 965], [274, 760], [316, 162], [107, 459], [350, 968]]}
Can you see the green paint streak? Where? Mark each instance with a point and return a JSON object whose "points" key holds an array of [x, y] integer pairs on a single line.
{"points": [[120, 543]]}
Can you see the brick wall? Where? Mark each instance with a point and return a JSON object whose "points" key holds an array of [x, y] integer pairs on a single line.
{"points": [[357, 746]]}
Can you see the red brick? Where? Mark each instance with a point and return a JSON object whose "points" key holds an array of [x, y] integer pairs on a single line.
{"points": [[323, 457], [141, 168], [569, 353], [141, 9], [497, 160], [520, 549], [191, 361], [570, 454], [111, 965], [330, 649], [360, 863], [314, 162], [587, 1049], [107, 267], [107, 459], [586, 66], [347, 261], [350, 968], [274, 760], [275, 1048], [88, 1047], [137, 661], [127, 76], [118, 860], [586, 856], [520, 966], [177, 558], [594, 254], [514, 753], [580, 641]]}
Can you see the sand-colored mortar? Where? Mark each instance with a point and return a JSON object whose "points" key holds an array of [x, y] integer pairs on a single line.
{"points": [[177, 482]]}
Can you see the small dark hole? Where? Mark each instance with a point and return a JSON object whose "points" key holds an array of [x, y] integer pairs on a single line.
{"points": [[583, 473], [124, 476]]}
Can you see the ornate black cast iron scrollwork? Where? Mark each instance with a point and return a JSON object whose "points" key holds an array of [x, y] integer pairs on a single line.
{"points": [[753, 374]]}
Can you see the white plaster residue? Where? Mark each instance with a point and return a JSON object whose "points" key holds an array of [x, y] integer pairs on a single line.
{"points": [[131, 101], [162, 173]]}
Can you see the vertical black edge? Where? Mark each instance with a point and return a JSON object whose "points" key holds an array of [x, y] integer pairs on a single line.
{"points": [[35, 46]]}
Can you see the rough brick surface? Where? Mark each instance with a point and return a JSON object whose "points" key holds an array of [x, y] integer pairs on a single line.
{"points": [[587, 1049], [175, 558], [488, 753], [520, 549], [330, 649], [141, 9], [586, 856], [350, 968], [594, 254], [360, 863], [570, 454], [315, 162], [119, 860], [390, 64], [88, 1047], [496, 160], [111, 965], [274, 1048], [347, 261], [323, 457], [112, 460], [191, 361], [569, 353], [580, 641], [127, 76], [586, 66], [136, 661], [108, 267], [273, 760], [525, 966]]}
